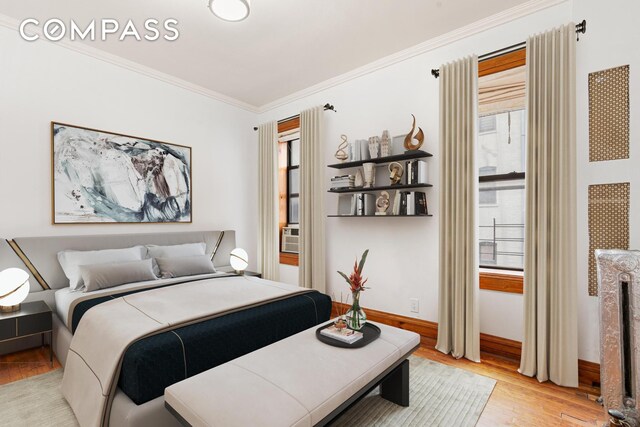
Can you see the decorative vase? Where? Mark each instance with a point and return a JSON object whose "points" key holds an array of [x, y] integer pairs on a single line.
{"points": [[356, 317], [369, 174]]}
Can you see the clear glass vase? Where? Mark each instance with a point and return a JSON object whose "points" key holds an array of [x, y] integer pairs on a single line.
{"points": [[356, 317]]}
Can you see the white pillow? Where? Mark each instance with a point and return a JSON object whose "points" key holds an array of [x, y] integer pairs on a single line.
{"points": [[70, 261], [102, 276], [176, 251], [185, 266]]}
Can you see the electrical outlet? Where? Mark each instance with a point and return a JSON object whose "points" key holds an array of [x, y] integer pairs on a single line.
{"points": [[415, 305]]}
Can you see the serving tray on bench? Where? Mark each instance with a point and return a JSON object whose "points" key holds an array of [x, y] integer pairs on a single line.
{"points": [[370, 333]]}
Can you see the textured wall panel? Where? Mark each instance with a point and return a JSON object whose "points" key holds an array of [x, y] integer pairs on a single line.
{"points": [[608, 223], [609, 114]]}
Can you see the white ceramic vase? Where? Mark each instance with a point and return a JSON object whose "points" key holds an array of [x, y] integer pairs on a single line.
{"points": [[369, 174]]}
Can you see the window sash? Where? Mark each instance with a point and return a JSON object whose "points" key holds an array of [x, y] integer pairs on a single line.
{"points": [[292, 195], [511, 176], [288, 131]]}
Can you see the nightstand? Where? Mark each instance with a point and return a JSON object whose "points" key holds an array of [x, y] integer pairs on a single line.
{"points": [[33, 318]]}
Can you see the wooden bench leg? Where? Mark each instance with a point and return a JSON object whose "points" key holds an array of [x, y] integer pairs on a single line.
{"points": [[395, 387]]}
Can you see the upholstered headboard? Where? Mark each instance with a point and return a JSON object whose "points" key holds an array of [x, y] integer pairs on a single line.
{"points": [[42, 252], [9, 259]]}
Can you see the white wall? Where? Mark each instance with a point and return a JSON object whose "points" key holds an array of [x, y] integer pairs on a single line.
{"points": [[42, 82], [612, 40], [289, 274], [403, 261]]}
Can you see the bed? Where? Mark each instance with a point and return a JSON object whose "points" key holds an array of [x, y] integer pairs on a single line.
{"points": [[208, 320]]}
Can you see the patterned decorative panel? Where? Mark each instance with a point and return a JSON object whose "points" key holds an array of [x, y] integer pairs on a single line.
{"points": [[608, 223], [609, 114]]}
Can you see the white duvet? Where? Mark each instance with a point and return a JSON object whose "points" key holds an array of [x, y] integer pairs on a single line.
{"points": [[107, 330], [66, 298]]}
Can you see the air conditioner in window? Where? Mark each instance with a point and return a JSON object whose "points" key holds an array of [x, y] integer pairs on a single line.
{"points": [[290, 240]]}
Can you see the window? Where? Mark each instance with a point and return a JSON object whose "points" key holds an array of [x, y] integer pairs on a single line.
{"points": [[487, 253], [487, 124], [293, 181], [501, 196], [289, 181], [488, 195], [501, 162]]}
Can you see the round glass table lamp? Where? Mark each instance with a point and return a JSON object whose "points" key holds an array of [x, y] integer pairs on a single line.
{"points": [[14, 288], [239, 260]]}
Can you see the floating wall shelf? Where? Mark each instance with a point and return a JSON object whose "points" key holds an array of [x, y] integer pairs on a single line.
{"points": [[374, 189], [377, 216], [409, 155]]}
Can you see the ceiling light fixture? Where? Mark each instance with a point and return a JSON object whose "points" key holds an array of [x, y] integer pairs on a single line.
{"points": [[230, 10]]}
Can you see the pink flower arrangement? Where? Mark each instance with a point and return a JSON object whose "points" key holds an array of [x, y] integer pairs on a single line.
{"points": [[355, 280]]}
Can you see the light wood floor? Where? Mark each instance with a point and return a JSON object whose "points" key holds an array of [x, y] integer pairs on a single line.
{"points": [[516, 400], [522, 401]]}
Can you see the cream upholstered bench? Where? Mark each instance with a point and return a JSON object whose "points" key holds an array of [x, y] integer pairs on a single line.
{"points": [[298, 381]]}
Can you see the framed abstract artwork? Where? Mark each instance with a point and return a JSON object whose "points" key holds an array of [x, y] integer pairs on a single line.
{"points": [[102, 177]]}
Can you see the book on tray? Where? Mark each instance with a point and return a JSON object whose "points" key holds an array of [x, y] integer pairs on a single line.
{"points": [[346, 335]]}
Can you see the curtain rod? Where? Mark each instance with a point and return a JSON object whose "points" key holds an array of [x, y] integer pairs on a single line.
{"points": [[326, 107], [580, 28]]}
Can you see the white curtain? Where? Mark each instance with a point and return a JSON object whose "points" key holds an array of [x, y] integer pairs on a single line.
{"points": [[312, 193], [268, 251], [550, 345], [458, 317]]}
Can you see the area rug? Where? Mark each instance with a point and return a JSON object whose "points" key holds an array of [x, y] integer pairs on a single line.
{"points": [[36, 401], [440, 396]]}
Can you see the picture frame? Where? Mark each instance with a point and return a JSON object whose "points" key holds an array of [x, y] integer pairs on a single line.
{"points": [[102, 177]]}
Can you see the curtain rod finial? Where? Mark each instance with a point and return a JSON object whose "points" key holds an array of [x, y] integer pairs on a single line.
{"points": [[581, 28]]}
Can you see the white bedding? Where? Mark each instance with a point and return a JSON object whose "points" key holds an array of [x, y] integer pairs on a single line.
{"points": [[66, 297], [107, 330]]}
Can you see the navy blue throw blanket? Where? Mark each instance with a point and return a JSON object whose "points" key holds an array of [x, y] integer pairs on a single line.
{"points": [[156, 362]]}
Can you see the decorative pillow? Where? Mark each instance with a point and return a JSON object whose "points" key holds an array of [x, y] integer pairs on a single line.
{"points": [[185, 266], [187, 249], [101, 276], [70, 261], [174, 251]]}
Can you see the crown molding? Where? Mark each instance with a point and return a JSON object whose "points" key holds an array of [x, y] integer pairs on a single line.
{"points": [[79, 47], [492, 21]]}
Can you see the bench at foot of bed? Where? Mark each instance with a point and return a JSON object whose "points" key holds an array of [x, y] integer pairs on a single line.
{"points": [[298, 381]]}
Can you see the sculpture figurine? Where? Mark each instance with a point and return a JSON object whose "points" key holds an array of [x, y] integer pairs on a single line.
{"points": [[408, 145], [395, 173], [385, 144], [374, 145], [382, 203], [341, 155]]}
